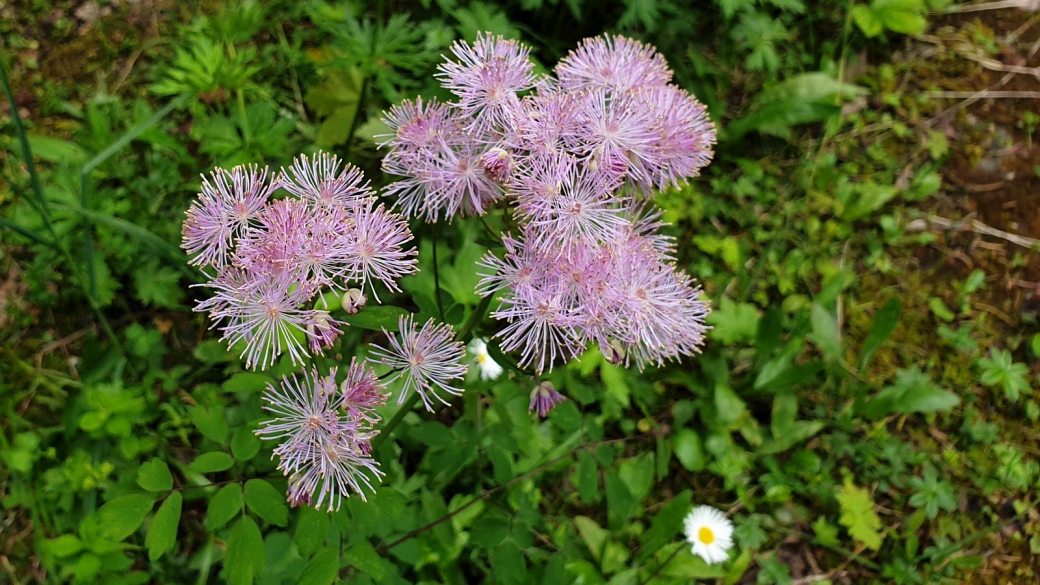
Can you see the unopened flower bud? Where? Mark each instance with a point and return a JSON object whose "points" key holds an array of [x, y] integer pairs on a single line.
{"points": [[613, 352], [353, 300], [497, 165]]}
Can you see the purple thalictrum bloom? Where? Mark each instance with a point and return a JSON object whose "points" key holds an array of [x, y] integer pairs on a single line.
{"points": [[487, 78], [320, 180], [684, 135], [613, 63], [324, 453], [427, 359], [264, 313], [375, 245], [361, 392], [228, 202], [544, 398]]}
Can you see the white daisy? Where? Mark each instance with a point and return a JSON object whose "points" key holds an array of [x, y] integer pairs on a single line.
{"points": [[489, 368], [710, 533]]}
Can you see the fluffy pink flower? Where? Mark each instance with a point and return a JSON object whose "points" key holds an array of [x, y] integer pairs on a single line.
{"points": [[613, 63], [229, 201], [426, 359]]}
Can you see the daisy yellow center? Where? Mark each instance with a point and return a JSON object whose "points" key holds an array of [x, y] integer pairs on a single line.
{"points": [[706, 535], [481, 359]]}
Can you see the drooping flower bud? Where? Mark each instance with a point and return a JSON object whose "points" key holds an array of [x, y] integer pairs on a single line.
{"points": [[497, 165], [613, 352], [353, 300], [544, 398]]}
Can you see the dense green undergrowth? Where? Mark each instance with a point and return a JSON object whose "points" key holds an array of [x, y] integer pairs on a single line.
{"points": [[853, 412]]}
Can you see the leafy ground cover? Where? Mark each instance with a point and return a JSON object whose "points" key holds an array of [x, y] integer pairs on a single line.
{"points": [[863, 410]]}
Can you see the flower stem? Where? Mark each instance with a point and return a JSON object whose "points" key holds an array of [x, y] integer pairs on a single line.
{"points": [[402, 412], [437, 279]]}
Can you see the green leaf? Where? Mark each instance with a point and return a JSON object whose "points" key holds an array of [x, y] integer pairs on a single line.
{"points": [[322, 568], [365, 558], [588, 479], [728, 406], [211, 422], [312, 529], [212, 462], [912, 392], [247, 382], [901, 16], [733, 322], [689, 450], [800, 99], [244, 444], [377, 317], [245, 553], [122, 516], [666, 524], [163, 531], [266, 502], [867, 21], [64, 545], [857, 514], [56, 150], [621, 503], [826, 532], [825, 332], [154, 476], [884, 324], [594, 536], [224, 506], [508, 563]]}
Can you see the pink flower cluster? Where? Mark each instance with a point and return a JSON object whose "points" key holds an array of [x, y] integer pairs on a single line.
{"points": [[578, 153], [325, 432], [269, 259]]}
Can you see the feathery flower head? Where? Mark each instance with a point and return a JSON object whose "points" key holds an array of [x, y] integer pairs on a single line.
{"points": [[323, 452], [710, 533], [228, 203], [615, 63], [267, 259], [319, 180], [427, 359], [487, 78], [544, 398]]}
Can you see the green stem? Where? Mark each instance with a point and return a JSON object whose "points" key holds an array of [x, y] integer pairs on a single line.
{"points": [[402, 412], [437, 279]]}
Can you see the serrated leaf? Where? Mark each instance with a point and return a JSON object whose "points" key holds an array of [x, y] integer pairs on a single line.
{"points": [[245, 553], [732, 322], [154, 476], [858, 516], [225, 505], [266, 502], [162, 533], [122, 516], [212, 462]]}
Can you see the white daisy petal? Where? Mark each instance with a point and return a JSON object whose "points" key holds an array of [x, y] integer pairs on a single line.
{"points": [[710, 533], [489, 368]]}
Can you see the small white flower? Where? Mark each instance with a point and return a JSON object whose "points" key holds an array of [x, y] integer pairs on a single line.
{"points": [[710, 533], [489, 368]]}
